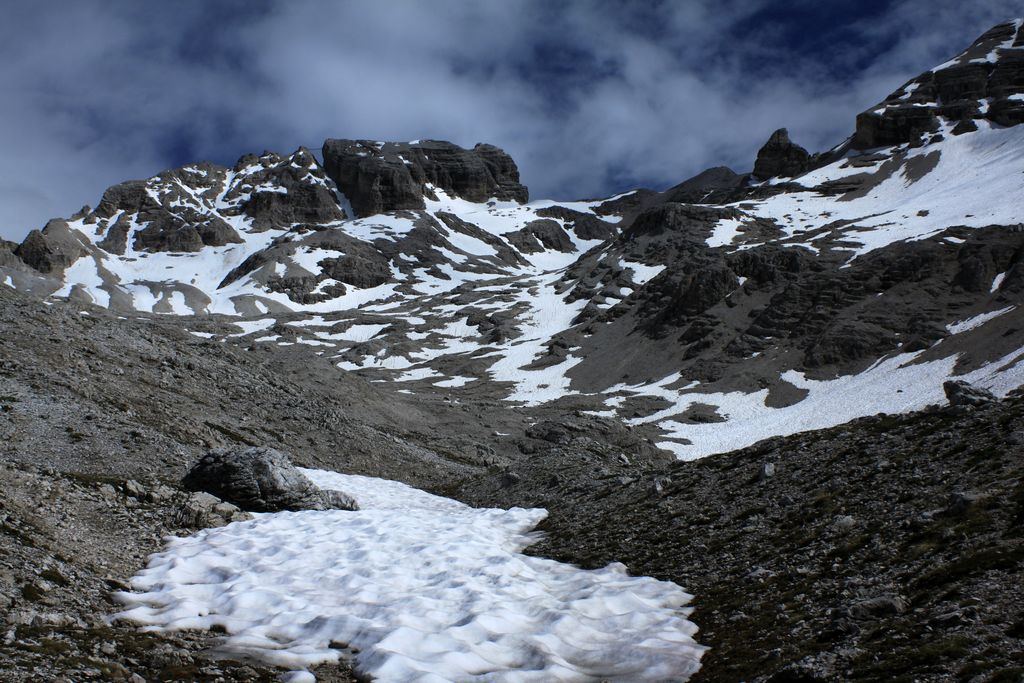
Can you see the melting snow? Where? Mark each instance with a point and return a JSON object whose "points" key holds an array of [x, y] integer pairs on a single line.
{"points": [[976, 321], [426, 588]]}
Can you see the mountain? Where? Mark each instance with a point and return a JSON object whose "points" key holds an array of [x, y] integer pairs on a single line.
{"points": [[728, 309], [402, 309]]}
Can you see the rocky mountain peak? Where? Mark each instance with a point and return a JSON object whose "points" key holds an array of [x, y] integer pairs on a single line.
{"points": [[389, 176], [780, 157], [984, 82]]}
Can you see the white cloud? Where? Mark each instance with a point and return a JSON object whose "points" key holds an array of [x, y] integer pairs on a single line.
{"points": [[586, 96]]}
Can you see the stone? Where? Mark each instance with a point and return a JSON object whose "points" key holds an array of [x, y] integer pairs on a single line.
{"points": [[960, 502], [844, 523], [201, 510], [261, 479], [378, 177], [961, 393], [551, 432], [881, 606], [780, 157], [134, 489]]}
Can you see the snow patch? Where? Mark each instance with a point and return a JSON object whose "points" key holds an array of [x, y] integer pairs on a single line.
{"points": [[426, 588]]}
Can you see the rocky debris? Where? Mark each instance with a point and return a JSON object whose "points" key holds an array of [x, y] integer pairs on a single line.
{"points": [[780, 157], [829, 567], [961, 393], [983, 82], [259, 479], [873, 608], [379, 177], [201, 510], [68, 543]]}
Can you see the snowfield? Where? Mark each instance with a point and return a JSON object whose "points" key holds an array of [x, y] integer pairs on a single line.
{"points": [[425, 588]]}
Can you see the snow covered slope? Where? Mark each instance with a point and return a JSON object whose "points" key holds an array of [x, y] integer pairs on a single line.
{"points": [[855, 283]]}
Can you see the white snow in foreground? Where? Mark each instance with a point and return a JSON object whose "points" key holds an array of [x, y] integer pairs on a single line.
{"points": [[426, 588]]}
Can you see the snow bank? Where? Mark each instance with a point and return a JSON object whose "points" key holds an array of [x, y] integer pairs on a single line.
{"points": [[426, 588]]}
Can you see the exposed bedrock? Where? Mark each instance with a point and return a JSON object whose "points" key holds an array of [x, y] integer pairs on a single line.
{"points": [[779, 157], [53, 248], [378, 177], [983, 82]]}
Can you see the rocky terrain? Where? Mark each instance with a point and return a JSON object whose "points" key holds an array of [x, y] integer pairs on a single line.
{"points": [[736, 384]]}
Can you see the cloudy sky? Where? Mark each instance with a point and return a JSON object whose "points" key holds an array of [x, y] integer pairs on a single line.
{"points": [[590, 97]]}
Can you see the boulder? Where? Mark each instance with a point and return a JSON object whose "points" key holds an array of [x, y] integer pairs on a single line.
{"points": [[780, 157], [961, 393], [202, 510], [261, 479]]}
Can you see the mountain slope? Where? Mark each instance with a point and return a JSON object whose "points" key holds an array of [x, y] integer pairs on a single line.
{"points": [[725, 310]]}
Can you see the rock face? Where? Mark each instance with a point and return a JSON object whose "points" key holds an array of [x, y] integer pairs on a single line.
{"points": [[979, 83], [378, 177], [51, 249], [261, 480], [781, 157], [539, 235]]}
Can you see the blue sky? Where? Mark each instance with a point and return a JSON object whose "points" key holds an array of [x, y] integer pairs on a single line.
{"points": [[590, 97]]}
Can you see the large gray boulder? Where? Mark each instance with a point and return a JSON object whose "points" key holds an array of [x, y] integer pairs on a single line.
{"points": [[261, 479], [961, 393]]}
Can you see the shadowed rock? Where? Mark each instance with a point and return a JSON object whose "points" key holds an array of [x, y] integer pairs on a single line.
{"points": [[961, 393], [378, 177], [781, 157], [261, 480], [53, 248]]}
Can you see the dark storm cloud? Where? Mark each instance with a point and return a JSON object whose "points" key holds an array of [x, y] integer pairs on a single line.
{"points": [[590, 98]]}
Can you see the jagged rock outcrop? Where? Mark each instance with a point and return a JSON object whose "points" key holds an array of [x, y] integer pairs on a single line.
{"points": [[297, 191], [539, 235], [982, 82], [261, 479], [378, 177], [780, 157], [53, 248]]}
